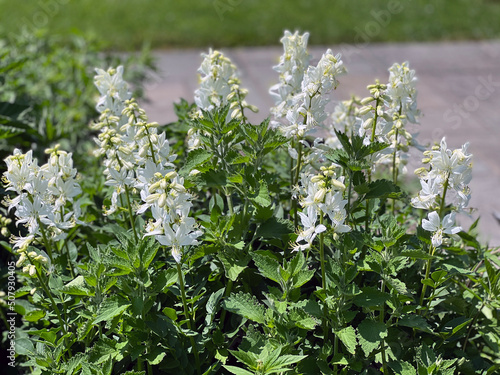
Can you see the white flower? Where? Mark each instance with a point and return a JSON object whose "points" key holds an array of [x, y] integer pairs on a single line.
{"points": [[437, 227], [310, 231]]}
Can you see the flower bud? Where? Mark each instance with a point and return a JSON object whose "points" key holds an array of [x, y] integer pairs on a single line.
{"points": [[367, 100], [364, 110]]}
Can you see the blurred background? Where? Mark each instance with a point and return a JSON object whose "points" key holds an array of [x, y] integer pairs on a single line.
{"points": [[125, 25]]}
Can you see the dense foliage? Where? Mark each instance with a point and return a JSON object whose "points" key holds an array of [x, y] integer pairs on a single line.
{"points": [[230, 247]]}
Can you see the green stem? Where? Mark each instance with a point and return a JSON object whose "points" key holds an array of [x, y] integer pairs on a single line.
{"points": [[322, 254], [296, 179], [472, 325], [150, 145], [395, 170], [226, 294], [70, 265], [131, 214], [229, 201], [443, 203], [382, 344], [427, 272], [46, 241], [47, 291], [349, 192], [190, 322]]}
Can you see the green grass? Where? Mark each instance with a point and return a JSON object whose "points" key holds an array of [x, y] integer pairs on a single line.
{"points": [[127, 24]]}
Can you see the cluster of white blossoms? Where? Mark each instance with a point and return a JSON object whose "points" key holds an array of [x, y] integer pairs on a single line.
{"points": [[138, 158], [305, 108], [383, 116], [219, 87], [446, 182], [321, 196], [291, 68], [44, 202]]}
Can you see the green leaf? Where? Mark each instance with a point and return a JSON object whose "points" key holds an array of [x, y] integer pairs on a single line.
{"points": [[301, 278], [170, 313], [417, 254], [415, 321], [370, 335], [111, 307], [237, 371], [274, 228], [455, 325], [262, 198], [24, 346], [194, 159], [302, 319], [347, 336], [35, 315], [213, 304], [268, 267], [396, 284], [247, 306], [156, 355], [148, 253], [234, 263], [379, 189], [277, 365], [77, 287], [426, 355], [371, 297], [402, 368]]}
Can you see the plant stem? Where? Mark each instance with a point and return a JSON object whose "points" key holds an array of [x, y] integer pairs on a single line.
{"points": [[47, 291], [190, 322], [296, 179], [227, 292], [46, 241], [322, 253], [472, 324], [70, 265], [445, 189], [131, 214], [427, 272], [349, 197], [381, 319]]}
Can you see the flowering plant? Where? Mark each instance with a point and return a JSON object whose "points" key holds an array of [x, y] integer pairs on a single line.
{"points": [[242, 248]]}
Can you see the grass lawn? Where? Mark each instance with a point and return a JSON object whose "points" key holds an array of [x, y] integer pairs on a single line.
{"points": [[127, 24]]}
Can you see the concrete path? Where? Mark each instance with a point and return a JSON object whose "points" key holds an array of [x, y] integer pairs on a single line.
{"points": [[458, 94]]}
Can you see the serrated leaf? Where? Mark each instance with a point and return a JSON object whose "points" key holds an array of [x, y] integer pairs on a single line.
{"points": [[267, 266], [234, 263], [379, 189], [77, 287], [370, 335], [415, 321], [396, 284], [417, 254], [262, 198], [237, 371], [402, 368], [371, 297], [426, 355], [348, 337], [274, 228], [247, 306], [302, 319], [277, 365], [111, 307], [301, 278], [194, 159], [34, 316]]}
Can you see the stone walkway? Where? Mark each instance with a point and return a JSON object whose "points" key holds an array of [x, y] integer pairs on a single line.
{"points": [[458, 94]]}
